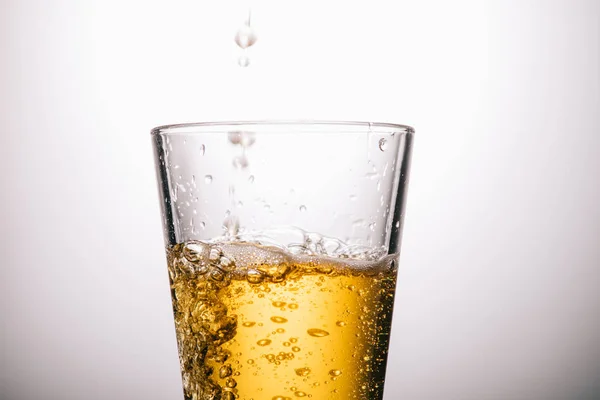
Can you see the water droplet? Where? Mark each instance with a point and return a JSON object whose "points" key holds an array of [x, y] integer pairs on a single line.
{"points": [[231, 224], [382, 144], [208, 179], [240, 162], [279, 320], [353, 197], [317, 332], [225, 371], [245, 36], [251, 179], [397, 224], [202, 224], [302, 371], [202, 150], [264, 342], [302, 208], [243, 61]]}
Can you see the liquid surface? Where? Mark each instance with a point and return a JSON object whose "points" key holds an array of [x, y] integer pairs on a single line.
{"points": [[257, 322]]}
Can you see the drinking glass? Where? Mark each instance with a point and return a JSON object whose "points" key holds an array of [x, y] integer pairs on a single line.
{"points": [[282, 242]]}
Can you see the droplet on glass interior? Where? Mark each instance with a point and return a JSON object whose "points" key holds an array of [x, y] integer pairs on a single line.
{"points": [[202, 150], [251, 179], [245, 36], [302, 208], [208, 179], [382, 144], [372, 226]]}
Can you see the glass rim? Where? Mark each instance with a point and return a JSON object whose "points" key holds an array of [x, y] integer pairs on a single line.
{"points": [[203, 127]]}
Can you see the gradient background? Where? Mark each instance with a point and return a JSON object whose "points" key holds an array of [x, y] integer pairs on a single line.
{"points": [[499, 289]]}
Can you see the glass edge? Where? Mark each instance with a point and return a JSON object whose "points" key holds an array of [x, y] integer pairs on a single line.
{"points": [[165, 128]]}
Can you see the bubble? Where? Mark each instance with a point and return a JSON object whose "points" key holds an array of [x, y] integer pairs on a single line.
{"points": [[264, 342], [245, 36], [296, 348], [302, 371], [195, 251], [317, 332], [293, 306], [281, 398], [280, 330], [299, 393], [340, 323], [366, 358], [225, 371], [335, 372], [208, 179], [228, 396], [294, 340], [279, 320], [231, 383], [279, 304], [254, 276], [250, 361], [249, 324], [243, 61], [382, 144], [302, 208]]}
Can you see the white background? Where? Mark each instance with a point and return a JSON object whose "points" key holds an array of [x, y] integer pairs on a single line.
{"points": [[499, 289]]}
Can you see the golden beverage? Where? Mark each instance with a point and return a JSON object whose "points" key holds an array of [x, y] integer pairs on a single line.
{"points": [[257, 322]]}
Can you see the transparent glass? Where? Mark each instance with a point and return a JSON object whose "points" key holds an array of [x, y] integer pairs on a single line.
{"points": [[282, 243]]}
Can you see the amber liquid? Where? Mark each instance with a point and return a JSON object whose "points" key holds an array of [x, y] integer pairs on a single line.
{"points": [[256, 323]]}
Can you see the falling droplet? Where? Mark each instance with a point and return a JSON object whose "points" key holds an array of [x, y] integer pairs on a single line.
{"points": [[240, 162], [382, 144], [245, 36], [208, 179], [302, 208], [243, 61]]}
